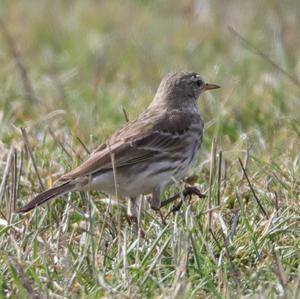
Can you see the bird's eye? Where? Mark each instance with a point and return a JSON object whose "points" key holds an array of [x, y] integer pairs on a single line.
{"points": [[199, 83]]}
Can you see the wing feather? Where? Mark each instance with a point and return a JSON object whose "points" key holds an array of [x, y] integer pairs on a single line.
{"points": [[137, 142]]}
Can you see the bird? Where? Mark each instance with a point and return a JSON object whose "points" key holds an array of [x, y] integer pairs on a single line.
{"points": [[148, 153]]}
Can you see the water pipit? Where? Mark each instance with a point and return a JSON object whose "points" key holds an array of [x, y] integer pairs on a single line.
{"points": [[150, 152]]}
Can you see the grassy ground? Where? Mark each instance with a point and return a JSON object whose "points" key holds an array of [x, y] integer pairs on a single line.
{"points": [[85, 60]]}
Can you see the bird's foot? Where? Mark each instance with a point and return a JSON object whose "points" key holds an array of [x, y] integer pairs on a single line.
{"points": [[162, 218], [156, 204], [157, 209], [188, 191], [135, 226], [133, 217]]}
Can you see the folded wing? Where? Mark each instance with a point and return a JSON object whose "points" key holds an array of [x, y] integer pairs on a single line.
{"points": [[137, 142]]}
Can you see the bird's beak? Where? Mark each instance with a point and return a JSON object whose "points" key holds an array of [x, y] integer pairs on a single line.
{"points": [[209, 86]]}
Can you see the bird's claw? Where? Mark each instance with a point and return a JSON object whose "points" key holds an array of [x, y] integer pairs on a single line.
{"points": [[188, 191]]}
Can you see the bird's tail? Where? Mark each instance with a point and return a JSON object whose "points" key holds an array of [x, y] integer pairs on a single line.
{"points": [[47, 195]]}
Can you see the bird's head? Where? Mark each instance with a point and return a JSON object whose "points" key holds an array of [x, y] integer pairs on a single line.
{"points": [[181, 89]]}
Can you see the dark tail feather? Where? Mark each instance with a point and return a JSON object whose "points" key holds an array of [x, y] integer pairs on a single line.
{"points": [[47, 195]]}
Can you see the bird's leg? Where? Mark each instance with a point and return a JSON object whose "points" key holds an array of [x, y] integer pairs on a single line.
{"points": [[132, 212], [155, 201], [133, 216], [155, 204], [188, 191]]}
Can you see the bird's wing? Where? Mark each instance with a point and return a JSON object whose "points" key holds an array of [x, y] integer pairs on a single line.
{"points": [[138, 141]]}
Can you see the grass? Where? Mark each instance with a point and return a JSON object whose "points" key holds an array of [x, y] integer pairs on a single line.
{"points": [[85, 61]]}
